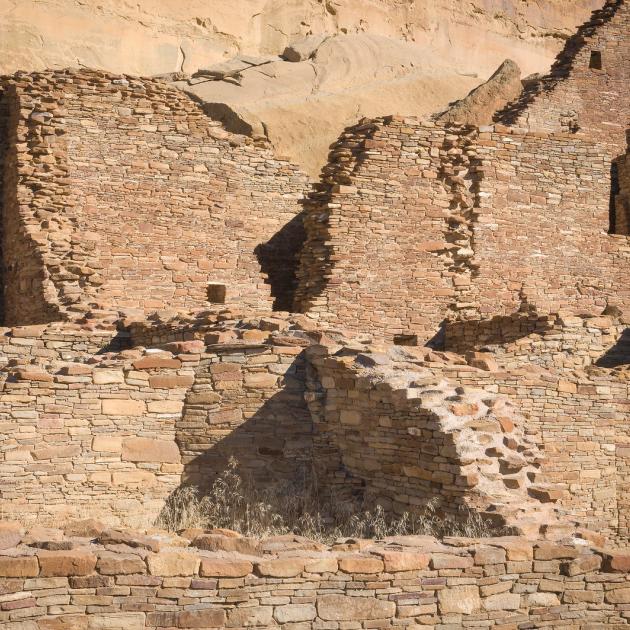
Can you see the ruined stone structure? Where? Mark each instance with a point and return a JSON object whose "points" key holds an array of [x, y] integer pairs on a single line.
{"points": [[459, 337], [586, 89], [121, 194], [415, 223]]}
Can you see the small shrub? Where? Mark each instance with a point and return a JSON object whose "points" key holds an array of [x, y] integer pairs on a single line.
{"points": [[236, 504]]}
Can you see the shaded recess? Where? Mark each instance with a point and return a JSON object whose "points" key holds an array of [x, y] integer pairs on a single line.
{"points": [[271, 441], [4, 113], [472, 335], [619, 354], [279, 259]]}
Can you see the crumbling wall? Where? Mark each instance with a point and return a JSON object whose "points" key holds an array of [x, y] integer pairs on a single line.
{"points": [[413, 438], [417, 223], [387, 244], [129, 197], [587, 87], [576, 410]]}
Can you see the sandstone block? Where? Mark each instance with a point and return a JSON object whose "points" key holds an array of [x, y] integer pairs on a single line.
{"points": [[251, 616], [172, 563], [152, 363], [350, 417], [459, 599], [225, 567], [357, 564], [107, 377], [450, 561], [116, 621], [541, 600], [618, 596], [165, 406], [293, 613], [122, 407], [218, 542], [23, 566], [143, 478], [616, 562], [396, 561], [280, 567], [582, 564], [171, 381], [321, 565], [120, 564], [107, 443], [64, 563], [149, 450], [262, 381], [204, 618], [554, 551], [502, 601], [345, 608]]}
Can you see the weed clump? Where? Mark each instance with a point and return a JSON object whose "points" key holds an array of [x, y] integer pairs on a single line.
{"points": [[236, 504]]}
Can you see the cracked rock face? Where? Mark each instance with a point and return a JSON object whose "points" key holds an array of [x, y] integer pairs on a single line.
{"points": [[341, 60]]}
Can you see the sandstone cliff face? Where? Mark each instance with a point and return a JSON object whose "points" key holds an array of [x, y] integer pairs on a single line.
{"points": [[376, 57], [156, 36]]}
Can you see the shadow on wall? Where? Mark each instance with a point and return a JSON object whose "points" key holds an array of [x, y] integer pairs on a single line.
{"points": [[279, 258], [619, 354], [273, 447]]}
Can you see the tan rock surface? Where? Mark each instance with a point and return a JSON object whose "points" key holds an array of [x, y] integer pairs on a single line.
{"points": [[391, 57]]}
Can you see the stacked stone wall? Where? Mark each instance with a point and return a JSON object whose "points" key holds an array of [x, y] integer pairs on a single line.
{"points": [[121, 194], [126, 580], [587, 88], [418, 223], [114, 435], [563, 342], [413, 439]]}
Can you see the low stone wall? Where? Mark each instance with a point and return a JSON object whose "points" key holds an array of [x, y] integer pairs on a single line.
{"points": [[115, 434], [128, 581], [563, 342]]}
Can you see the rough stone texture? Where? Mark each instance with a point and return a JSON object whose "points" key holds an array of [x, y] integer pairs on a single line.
{"points": [[586, 89], [448, 47], [479, 107]]}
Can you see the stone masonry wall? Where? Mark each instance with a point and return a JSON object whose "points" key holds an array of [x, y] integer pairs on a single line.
{"points": [[114, 435], [587, 88], [416, 223], [121, 194], [123, 580]]}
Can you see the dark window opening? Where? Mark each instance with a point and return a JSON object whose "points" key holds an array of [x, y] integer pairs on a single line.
{"points": [[595, 62], [216, 293], [614, 193]]}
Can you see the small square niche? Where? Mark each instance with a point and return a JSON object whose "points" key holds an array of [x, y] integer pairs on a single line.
{"points": [[216, 292], [406, 339], [595, 62]]}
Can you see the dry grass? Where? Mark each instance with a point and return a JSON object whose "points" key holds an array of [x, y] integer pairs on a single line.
{"points": [[233, 503]]}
